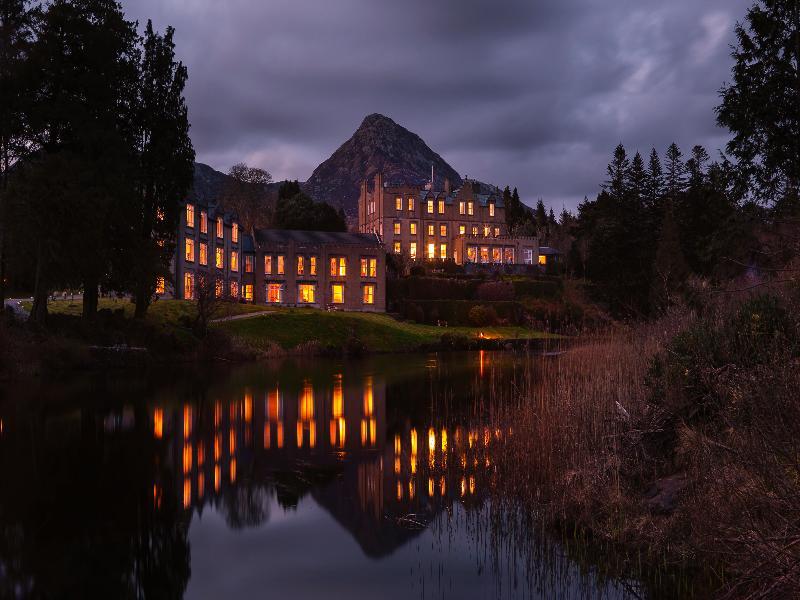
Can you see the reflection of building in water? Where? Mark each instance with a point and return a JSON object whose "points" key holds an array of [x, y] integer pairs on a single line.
{"points": [[263, 434]]}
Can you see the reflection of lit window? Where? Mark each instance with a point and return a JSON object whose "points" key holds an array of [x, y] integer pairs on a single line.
{"points": [[338, 427], [368, 423], [217, 477], [158, 423], [306, 416], [187, 492]]}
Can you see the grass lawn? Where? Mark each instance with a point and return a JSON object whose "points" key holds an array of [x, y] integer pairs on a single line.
{"points": [[381, 333], [164, 312]]}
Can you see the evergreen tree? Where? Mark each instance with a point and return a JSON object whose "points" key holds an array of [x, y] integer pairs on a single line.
{"points": [[541, 218], [654, 183], [670, 269], [695, 167], [86, 58], [675, 174], [617, 174], [166, 165], [301, 212], [637, 179], [16, 34], [761, 106], [288, 189]]}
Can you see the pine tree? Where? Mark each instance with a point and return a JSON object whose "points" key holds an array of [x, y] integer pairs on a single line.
{"points": [[16, 34], [675, 173], [617, 174], [654, 185], [166, 162], [670, 269], [637, 179], [761, 106]]}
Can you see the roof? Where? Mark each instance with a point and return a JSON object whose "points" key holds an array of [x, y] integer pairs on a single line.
{"points": [[547, 250], [286, 236]]}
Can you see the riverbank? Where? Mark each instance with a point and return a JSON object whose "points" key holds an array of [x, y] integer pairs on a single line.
{"points": [[237, 332], [676, 441]]}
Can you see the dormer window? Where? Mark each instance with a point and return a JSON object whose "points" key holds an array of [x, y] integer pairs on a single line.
{"points": [[430, 207], [470, 208], [441, 207], [491, 209], [235, 233]]}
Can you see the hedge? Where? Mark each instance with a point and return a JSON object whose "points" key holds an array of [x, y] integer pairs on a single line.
{"points": [[456, 312]]}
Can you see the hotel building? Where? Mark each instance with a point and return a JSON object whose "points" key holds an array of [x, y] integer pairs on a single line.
{"points": [[464, 224]]}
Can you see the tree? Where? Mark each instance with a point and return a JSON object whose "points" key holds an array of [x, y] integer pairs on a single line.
{"points": [[675, 175], [86, 59], [166, 163], [637, 179], [654, 183], [541, 216], [16, 33], [670, 269], [761, 106], [288, 189], [245, 194], [617, 171], [208, 300], [301, 212]]}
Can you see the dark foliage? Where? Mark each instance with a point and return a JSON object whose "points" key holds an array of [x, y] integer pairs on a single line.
{"points": [[301, 212]]}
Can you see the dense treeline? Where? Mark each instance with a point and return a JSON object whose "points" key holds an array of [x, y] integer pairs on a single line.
{"points": [[95, 150]]}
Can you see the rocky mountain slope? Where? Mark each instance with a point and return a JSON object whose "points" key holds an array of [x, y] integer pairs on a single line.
{"points": [[378, 145]]}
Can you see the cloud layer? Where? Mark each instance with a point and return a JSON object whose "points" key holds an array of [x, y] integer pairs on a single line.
{"points": [[528, 93]]}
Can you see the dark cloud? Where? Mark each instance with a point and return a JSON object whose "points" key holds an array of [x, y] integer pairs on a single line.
{"points": [[532, 93]]}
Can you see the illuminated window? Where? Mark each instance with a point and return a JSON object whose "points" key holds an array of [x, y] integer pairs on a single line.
{"points": [[443, 251], [235, 233], [301, 263], [219, 258], [188, 286], [462, 207], [431, 250], [508, 255], [497, 255], [431, 230], [410, 203], [443, 230], [412, 250], [234, 289], [234, 260], [337, 293], [491, 209], [398, 203], [306, 292], [312, 267], [543, 260], [274, 293], [486, 231], [281, 264], [397, 227], [190, 215], [267, 264], [527, 256], [412, 228], [441, 207], [430, 207], [484, 254], [369, 294], [472, 254], [218, 288], [397, 248], [190, 250], [248, 291], [496, 232], [462, 229], [219, 228], [369, 267], [342, 266], [338, 266], [160, 285], [470, 208], [203, 221], [249, 259], [474, 230], [203, 253]]}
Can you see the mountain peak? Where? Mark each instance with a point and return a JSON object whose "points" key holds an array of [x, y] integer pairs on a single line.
{"points": [[379, 145]]}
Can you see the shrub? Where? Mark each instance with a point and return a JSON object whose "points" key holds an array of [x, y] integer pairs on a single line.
{"points": [[482, 316]]}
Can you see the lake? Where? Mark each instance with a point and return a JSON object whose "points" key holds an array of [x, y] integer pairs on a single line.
{"points": [[303, 478]]}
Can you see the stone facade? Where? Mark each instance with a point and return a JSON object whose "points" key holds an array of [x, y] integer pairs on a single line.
{"points": [[319, 269], [423, 223]]}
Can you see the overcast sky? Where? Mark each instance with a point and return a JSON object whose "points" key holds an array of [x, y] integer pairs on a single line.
{"points": [[527, 93]]}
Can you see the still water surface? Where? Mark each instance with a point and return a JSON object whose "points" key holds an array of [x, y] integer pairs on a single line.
{"points": [[293, 479]]}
